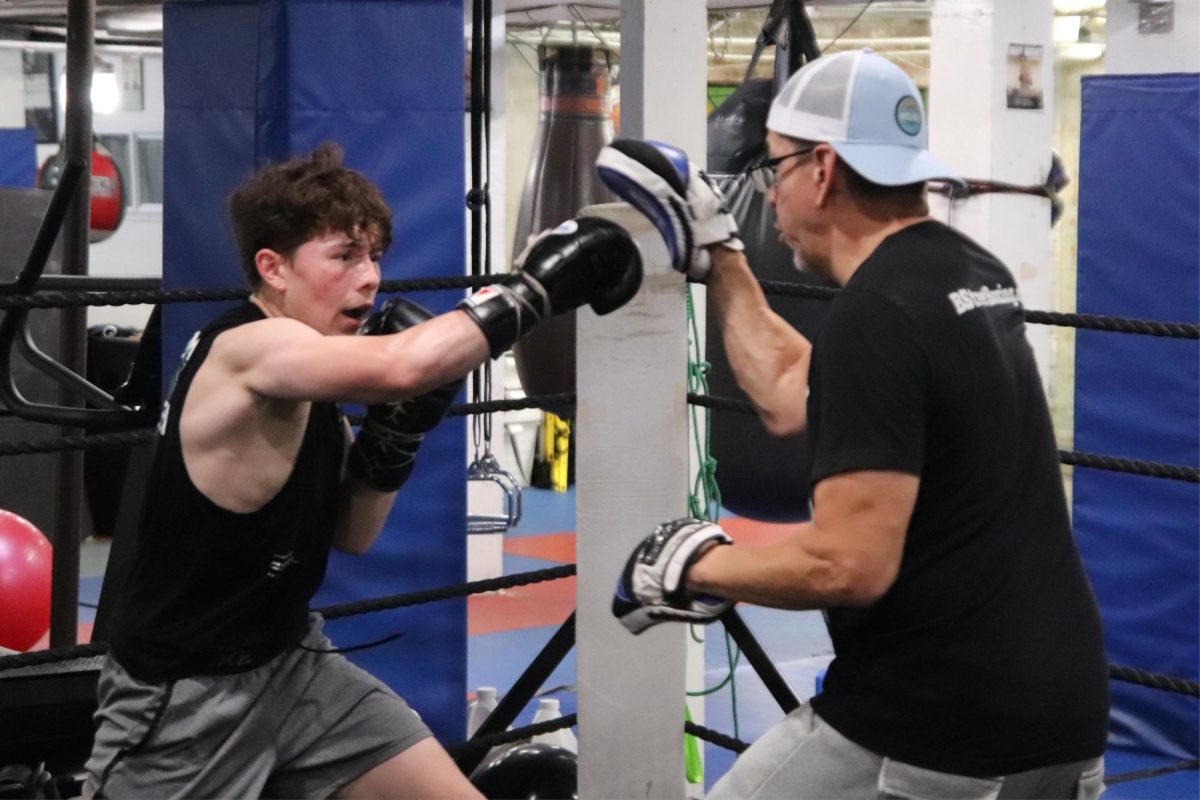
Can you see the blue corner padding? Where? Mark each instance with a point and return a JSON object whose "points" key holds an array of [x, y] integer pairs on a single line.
{"points": [[250, 82], [18, 157], [1139, 396]]}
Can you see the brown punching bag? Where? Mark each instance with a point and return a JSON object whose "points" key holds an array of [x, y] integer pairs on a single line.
{"points": [[573, 125]]}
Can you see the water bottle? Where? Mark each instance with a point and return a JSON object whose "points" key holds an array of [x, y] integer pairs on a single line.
{"points": [[548, 709], [480, 708]]}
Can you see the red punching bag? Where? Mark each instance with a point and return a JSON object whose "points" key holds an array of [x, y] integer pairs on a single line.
{"points": [[107, 189], [573, 125]]}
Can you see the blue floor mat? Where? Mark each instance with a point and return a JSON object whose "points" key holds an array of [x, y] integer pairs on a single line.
{"points": [[545, 511], [498, 659]]}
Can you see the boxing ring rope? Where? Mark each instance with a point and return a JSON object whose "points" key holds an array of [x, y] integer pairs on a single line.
{"points": [[39, 657], [82, 291], [1133, 466], [105, 441], [116, 297]]}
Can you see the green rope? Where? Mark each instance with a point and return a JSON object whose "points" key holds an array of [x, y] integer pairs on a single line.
{"points": [[704, 502], [735, 656], [705, 499]]}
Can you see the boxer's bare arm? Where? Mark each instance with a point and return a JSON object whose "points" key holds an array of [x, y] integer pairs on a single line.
{"points": [[285, 359], [247, 408]]}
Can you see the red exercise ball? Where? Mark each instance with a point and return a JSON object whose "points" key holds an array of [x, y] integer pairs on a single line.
{"points": [[25, 562]]}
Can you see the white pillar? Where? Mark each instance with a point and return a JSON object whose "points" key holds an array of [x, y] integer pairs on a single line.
{"points": [[12, 90], [631, 474], [973, 64], [1152, 37], [632, 461]]}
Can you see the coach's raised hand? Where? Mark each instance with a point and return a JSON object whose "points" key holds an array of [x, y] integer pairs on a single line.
{"points": [[682, 202]]}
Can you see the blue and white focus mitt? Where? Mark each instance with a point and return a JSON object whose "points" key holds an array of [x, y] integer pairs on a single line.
{"points": [[679, 199], [652, 588]]}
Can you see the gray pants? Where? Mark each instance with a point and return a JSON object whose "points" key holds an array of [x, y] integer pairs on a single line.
{"points": [[303, 725], [804, 757]]}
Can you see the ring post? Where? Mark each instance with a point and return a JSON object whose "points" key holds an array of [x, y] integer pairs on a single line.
{"points": [[631, 474]]}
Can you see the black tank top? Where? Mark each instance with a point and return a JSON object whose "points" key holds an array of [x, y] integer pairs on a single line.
{"points": [[213, 591]]}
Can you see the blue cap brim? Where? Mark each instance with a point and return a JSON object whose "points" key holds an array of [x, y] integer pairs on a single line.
{"points": [[894, 165]]}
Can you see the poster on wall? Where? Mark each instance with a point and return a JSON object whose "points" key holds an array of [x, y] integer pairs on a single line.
{"points": [[132, 96], [1024, 78]]}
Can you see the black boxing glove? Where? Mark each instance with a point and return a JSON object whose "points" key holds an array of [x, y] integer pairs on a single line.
{"points": [[383, 453], [584, 260]]}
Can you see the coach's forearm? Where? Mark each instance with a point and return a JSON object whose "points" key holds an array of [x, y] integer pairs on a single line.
{"points": [[769, 357]]}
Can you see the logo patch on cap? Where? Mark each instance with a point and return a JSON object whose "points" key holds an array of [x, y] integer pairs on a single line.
{"points": [[908, 115]]}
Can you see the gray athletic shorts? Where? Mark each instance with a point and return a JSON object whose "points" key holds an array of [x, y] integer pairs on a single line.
{"points": [[303, 725], [804, 757]]}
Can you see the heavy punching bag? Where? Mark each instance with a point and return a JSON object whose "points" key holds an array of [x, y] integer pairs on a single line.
{"points": [[760, 476], [107, 189], [573, 125]]}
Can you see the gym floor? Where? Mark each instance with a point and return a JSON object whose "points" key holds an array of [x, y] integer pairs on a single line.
{"points": [[507, 629]]}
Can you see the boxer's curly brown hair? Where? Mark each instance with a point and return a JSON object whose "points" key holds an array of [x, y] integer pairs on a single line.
{"points": [[284, 205]]}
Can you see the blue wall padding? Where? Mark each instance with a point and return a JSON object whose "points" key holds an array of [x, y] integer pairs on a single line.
{"points": [[18, 157], [253, 82], [1139, 396]]}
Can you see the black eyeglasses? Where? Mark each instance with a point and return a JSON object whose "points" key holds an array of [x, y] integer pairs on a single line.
{"points": [[764, 177]]}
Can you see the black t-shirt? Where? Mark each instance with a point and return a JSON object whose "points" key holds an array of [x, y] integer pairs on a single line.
{"points": [[211, 590], [985, 656]]}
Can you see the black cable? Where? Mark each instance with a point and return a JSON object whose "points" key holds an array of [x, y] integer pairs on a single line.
{"points": [[1152, 772], [857, 17], [352, 648]]}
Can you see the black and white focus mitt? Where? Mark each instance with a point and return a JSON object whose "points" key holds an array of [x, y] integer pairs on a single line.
{"points": [[652, 588], [677, 197]]}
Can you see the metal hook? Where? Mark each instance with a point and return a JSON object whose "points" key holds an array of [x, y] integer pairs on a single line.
{"points": [[486, 468]]}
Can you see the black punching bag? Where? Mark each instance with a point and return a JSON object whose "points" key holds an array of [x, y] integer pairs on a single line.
{"points": [[573, 125], [761, 476]]}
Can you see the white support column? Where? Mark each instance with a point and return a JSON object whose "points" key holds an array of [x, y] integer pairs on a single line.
{"points": [[631, 470], [664, 72], [972, 67], [632, 457], [1152, 37], [12, 90]]}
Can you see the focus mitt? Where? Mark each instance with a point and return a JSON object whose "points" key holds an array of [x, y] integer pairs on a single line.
{"points": [[679, 199], [652, 587]]}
